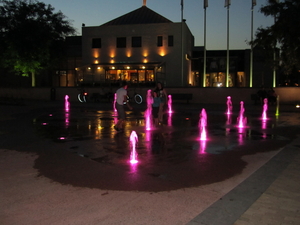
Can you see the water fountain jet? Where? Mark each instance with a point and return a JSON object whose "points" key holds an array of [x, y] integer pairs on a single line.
{"points": [[202, 125], [170, 103], [133, 140], [148, 112], [229, 105], [265, 108]]}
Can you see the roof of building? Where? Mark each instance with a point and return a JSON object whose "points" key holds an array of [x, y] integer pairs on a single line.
{"points": [[142, 15]]}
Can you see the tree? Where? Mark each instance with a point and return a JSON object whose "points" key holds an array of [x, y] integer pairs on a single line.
{"points": [[31, 35], [283, 34]]}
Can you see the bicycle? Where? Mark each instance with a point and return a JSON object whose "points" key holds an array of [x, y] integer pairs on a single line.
{"points": [[137, 98], [82, 96]]}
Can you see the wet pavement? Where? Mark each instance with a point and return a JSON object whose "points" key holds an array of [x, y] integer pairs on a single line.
{"points": [[78, 146]]}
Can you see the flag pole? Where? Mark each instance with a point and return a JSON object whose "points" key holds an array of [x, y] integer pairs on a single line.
{"points": [[182, 83], [205, 5], [251, 52], [227, 4]]}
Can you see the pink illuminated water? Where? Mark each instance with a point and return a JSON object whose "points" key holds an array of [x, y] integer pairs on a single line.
{"points": [[67, 104], [115, 100], [202, 125], [241, 119], [133, 140], [170, 103], [148, 112], [202, 147], [265, 108], [229, 105]]}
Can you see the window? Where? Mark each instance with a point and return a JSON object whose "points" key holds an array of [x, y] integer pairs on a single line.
{"points": [[159, 41], [96, 43], [121, 42], [136, 42], [170, 40]]}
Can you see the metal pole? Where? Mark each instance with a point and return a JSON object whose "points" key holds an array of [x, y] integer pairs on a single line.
{"points": [[204, 51], [182, 43], [274, 56], [227, 61], [251, 53]]}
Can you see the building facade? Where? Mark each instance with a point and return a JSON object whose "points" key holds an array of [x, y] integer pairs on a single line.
{"points": [[141, 47], [144, 47]]}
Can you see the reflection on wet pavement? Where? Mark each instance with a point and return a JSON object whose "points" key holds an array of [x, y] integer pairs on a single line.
{"points": [[172, 152]]}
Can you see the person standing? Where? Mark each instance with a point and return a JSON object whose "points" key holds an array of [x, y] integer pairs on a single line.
{"points": [[162, 94], [121, 100]]}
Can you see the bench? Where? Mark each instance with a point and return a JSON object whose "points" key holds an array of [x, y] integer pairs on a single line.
{"points": [[182, 96]]}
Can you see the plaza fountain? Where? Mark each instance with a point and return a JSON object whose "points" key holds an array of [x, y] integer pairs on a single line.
{"points": [[148, 112], [133, 140], [242, 120], [170, 104], [202, 125], [265, 108], [229, 105]]}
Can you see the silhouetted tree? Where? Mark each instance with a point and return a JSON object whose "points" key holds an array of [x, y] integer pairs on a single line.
{"points": [[283, 34], [31, 35]]}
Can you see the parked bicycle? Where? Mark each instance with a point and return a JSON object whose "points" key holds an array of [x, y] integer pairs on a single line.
{"points": [[137, 98], [82, 96]]}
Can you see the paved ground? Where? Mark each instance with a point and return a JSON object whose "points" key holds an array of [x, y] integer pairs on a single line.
{"points": [[71, 167]]}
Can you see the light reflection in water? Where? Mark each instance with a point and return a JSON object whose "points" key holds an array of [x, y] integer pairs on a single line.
{"points": [[202, 147], [241, 134]]}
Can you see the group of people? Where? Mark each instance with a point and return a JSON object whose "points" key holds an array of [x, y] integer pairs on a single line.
{"points": [[160, 98]]}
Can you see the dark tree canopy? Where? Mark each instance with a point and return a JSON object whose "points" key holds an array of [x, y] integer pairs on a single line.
{"points": [[31, 35], [284, 33]]}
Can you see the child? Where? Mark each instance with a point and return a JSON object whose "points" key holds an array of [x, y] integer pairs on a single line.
{"points": [[155, 108]]}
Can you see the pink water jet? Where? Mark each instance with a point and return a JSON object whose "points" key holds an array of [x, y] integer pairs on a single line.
{"points": [[202, 125], [133, 140], [67, 103], [202, 147], [265, 108], [241, 119], [170, 103], [148, 112], [229, 105], [114, 103]]}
